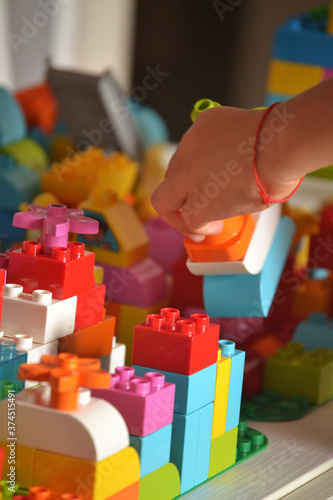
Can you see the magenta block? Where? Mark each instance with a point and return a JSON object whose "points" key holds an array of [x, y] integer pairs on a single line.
{"points": [[146, 403], [328, 73], [142, 284], [166, 243]]}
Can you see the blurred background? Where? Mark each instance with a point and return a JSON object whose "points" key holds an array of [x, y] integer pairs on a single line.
{"points": [[199, 48]]}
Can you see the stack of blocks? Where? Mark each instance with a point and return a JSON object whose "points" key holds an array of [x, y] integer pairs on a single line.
{"points": [[135, 284], [208, 393]]}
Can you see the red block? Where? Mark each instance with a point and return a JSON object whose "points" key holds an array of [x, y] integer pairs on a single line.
{"points": [[186, 287], [321, 246], [2, 461], [146, 403], [90, 307], [168, 342], [66, 272], [2, 283]]}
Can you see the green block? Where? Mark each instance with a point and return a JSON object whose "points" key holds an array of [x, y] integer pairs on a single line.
{"points": [[27, 152], [292, 371], [163, 483], [323, 173], [249, 442], [223, 452]]}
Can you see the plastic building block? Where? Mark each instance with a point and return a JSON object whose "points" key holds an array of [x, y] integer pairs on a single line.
{"points": [[66, 272], [17, 184], [27, 152], [153, 450], [142, 284], [163, 483], [314, 295], [190, 446], [85, 432], [168, 342], [24, 461], [121, 240], [221, 394], [2, 282], [321, 254], [99, 274], [254, 259], [39, 107], [230, 244], [235, 382], [187, 289], [41, 493], [317, 331], [90, 479], [303, 46], [37, 315], [55, 222], [90, 307], [250, 295], [271, 98], [109, 362], [131, 492], [66, 372], [295, 372], [249, 442], [92, 341], [10, 360], [12, 123], [2, 459], [192, 391], [271, 406], [146, 403], [166, 243], [153, 128], [286, 77], [223, 452], [74, 178], [127, 317]]}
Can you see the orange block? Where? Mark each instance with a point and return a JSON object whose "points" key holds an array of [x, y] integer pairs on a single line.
{"points": [[313, 295], [93, 341], [129, 493], [267, 346], [39, 107], [230, 244]]}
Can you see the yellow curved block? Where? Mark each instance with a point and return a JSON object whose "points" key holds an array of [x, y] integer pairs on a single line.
{"points": [[291, 78]]}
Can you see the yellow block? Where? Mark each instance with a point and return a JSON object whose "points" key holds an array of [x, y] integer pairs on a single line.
{"points": [[89, 480], [99, 275], [329, 27], [291, 78], [24, 460], [221, 394]]}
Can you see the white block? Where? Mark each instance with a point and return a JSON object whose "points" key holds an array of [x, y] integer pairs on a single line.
{"points": [[267, 223], [109, 362], [37, 315], [93, 432]]}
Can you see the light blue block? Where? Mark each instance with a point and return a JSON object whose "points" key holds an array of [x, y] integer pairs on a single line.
{"points": [[271, 98], [190, 446], [236, 382], [153, 450], [303, 46], [192, 391], [317, 331], [250, 295], [12, 122]]}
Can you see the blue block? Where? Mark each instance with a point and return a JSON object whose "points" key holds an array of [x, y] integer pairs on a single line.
{"points": [[8, 233], [246, 295], [190, 446], [236, 382], [17, 184], [317, 331], [192, 391], [12, 122], [154, 449], [303, 46], [271, 98], [10, 360]]}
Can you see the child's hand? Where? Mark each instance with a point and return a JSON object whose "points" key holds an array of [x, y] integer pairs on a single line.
{"points": [[210, 177]]}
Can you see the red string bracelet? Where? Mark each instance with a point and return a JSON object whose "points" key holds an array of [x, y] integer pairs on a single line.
{"points": [[264, 196]]}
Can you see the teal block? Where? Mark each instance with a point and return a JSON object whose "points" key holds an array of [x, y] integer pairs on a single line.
{"points": [[192, 391], [316, 331], [236, 382], [250, 295], [17, 184], [10, 360], [153, 450], [12, 122], [190, 446], [271, 98]]}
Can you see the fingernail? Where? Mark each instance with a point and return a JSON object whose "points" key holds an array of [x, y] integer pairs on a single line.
{"points": [[197, 238]]}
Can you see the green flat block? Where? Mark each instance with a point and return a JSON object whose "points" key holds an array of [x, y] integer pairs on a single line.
{"points": [[223, 452], [249, 442], [162, 484], [272, 406], [28, 153], [324, 173]]}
